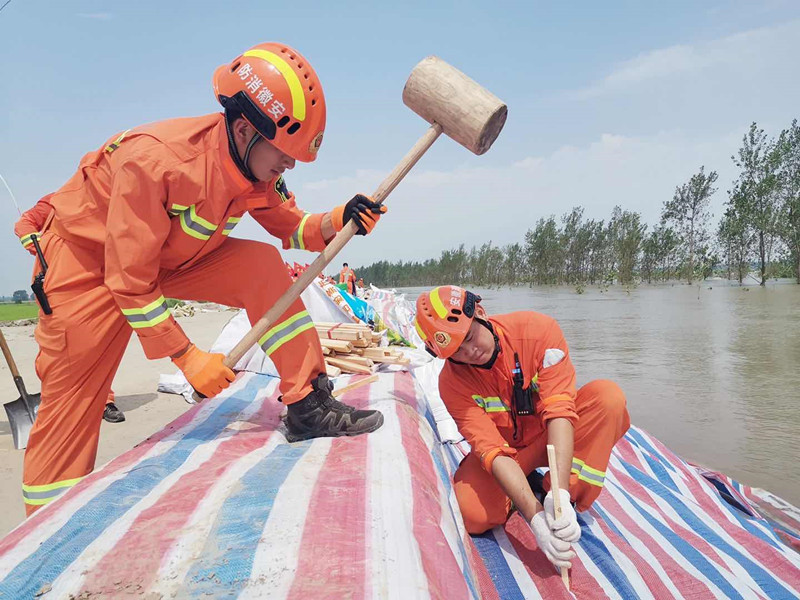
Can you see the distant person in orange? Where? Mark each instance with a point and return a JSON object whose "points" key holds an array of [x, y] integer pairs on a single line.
{"points": [[348, 276], [148, 216], [31, 223], [509, 384]]}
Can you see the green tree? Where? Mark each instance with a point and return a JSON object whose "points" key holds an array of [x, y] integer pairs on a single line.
{"points": [[20, 296], [757, 160], [788, 149], [543, 252], [688, 212], [627, 232]]}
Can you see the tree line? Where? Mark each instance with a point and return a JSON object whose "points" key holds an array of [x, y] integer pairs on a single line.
{"points": [[759, 228]]}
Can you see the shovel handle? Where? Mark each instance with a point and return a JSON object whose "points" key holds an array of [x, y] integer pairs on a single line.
{"points": [[7, 353], [331, 250]]}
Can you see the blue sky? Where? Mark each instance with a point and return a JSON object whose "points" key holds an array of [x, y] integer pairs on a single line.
{"points": [[609, 103]]}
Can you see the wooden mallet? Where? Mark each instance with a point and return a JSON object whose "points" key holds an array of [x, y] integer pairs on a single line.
{"points": [[554, 487], [452, 103]]}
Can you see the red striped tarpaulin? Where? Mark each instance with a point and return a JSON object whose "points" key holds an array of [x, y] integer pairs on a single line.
{"points": [[217, 504], [660, 529]]}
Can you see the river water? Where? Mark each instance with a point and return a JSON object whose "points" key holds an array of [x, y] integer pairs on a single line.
{"points": [[713, 371]]}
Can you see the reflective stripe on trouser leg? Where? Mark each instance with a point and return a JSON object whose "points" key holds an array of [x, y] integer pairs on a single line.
{"points": [[285, 331], [40, 495], [293, 345], [587, 473]]}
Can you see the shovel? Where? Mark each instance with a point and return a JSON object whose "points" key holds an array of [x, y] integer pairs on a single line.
{"points": [[22, 411]]}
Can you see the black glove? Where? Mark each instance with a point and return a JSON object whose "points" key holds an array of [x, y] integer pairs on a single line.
{"points": [[362, 210]]}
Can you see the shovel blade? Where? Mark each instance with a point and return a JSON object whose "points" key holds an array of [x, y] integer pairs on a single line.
{"points": [[20, 420]]}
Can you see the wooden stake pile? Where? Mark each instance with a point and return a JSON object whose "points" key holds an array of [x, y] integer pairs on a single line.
{"points": [[353, 348]]}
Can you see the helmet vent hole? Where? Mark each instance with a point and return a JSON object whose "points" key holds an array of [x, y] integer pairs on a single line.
{"points": [[310, 88], [305, 75], [452, 319], [284, 120], [455, 311], [314, 102], [293, 128], [284, 50], [299, 65], [235, 66]]}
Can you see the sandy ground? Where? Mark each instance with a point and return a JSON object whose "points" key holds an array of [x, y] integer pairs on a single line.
{"points": [[146, 411]]}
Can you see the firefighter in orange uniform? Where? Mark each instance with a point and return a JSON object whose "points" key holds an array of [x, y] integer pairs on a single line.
{"points": [[348, 276], [148, 216], [509, 384], [29, 224]]}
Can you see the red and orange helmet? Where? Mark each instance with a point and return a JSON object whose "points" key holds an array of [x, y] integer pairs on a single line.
{"points": [[444, 316], [279, 94]]}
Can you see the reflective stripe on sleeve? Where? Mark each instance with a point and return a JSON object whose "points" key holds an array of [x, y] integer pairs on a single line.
{"points": [[115, 144], [195, 225], [177, 209], [491, 404], [230, 224], [297, 241], [285, 331], [27, 240], [147, 316]]}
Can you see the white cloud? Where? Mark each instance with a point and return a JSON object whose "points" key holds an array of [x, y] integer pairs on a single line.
{"points": [[740, 53]]}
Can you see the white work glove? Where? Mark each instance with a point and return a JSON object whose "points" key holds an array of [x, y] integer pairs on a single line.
{"points": [[566, 528], [557, 551]]}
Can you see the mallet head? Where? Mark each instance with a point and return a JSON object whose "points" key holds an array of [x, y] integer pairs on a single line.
{"points": [[467, 112]]}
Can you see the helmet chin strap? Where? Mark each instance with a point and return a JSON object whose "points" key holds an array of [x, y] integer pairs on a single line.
{"points": [[241, 163]]}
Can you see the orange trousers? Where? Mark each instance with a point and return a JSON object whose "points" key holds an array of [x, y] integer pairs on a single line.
{"points": [[81, 345], [602, 420]]}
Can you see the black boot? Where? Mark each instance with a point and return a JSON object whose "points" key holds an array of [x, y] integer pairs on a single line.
{"points": [[320, 415], [112, 414]]}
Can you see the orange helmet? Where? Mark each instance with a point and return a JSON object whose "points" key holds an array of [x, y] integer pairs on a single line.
{"points": [[279, 94], [444, 316]]}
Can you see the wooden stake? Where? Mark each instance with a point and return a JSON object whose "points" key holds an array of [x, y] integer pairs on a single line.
{"points": [[337, 345], [346, 365], [554, 489], [352, 386]]}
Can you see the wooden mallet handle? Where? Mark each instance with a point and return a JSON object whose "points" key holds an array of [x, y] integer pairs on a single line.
{"points": [[331, 250], [554, 490]]}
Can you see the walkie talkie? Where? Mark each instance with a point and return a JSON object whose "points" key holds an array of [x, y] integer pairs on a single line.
{"points": [[38, 282], [523, 396]]}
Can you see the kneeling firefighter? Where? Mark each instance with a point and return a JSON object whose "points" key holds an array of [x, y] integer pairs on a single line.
{"points": [[509, 384]]}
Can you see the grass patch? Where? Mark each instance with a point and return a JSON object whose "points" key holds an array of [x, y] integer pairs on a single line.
{"points": [[14, 312]]}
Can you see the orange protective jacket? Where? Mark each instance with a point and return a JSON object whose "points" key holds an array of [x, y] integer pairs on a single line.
{"points": [[32, 221], [346, 275], [160, 197], [479, 400]]}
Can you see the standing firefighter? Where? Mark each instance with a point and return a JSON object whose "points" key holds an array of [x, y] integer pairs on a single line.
{"points": [[148, 216], [348, 277], [31, 223], [510, 386]]}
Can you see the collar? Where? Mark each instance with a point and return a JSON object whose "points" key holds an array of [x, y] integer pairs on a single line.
{"points": [[234, 179]]}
